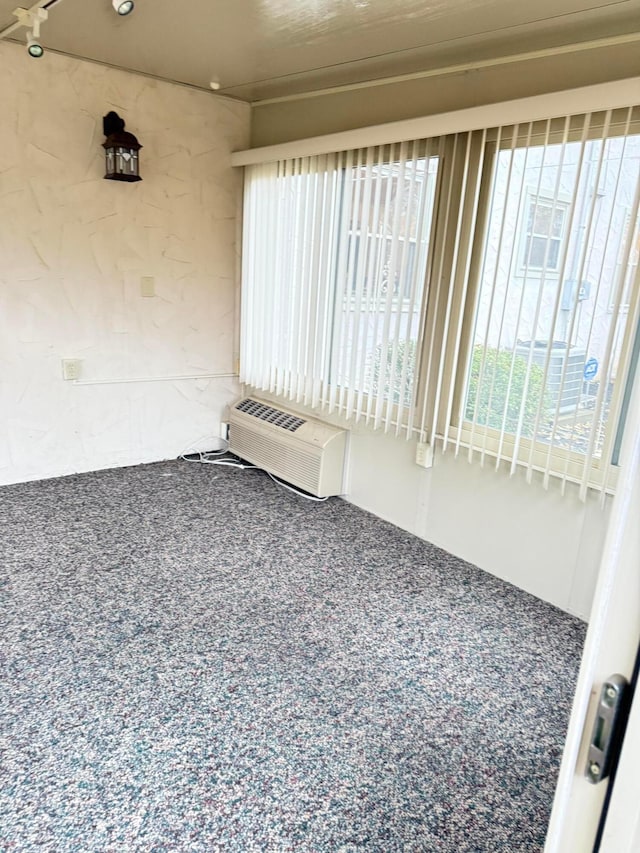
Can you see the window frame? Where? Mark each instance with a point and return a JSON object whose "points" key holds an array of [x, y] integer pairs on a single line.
{"points": [[464, 434], [531, 198]]}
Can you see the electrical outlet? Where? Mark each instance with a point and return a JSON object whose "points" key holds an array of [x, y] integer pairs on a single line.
{"points": [[147, 285], [424, 455], [224, 430], [71, 368]]}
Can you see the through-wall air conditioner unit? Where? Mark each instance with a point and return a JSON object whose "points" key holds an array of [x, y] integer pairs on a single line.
{"points": [[565, 371], [302, 451]]}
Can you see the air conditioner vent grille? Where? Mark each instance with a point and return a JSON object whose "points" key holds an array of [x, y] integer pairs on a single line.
{"points": [[272, 416], [293, 464]]}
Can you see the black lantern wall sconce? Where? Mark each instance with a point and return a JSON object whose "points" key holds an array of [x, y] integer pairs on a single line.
{"points": [[121, 150]]}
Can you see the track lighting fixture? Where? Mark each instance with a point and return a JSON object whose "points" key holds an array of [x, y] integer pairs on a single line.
{"points": [[123, 7], [32, 18]]}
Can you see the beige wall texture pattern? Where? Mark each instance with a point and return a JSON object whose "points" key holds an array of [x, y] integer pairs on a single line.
{"points": [[73, 250]]}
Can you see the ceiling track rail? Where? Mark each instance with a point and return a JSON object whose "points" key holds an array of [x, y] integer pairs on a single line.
{"points": [[39, 4]]}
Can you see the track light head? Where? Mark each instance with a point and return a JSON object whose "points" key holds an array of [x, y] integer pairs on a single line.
{"points": [[34, 48], [31, 20], [123, 7]]}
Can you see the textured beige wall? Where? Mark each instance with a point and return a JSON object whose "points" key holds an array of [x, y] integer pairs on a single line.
{"points": [[73, 248], [307, 117]]}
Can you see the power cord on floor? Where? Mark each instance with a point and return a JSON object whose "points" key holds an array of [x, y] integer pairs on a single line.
{"points": [[206, 458], [234, 462], [202, 454], [297, 491]]}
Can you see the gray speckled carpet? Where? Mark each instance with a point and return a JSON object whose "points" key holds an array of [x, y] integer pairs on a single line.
{"points": [[193, 659]]}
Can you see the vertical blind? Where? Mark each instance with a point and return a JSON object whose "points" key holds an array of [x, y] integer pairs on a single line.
{"points": [[543, 332], [335, 257], [479, 290]]}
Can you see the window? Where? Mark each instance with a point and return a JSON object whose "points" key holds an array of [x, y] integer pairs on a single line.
{"points": [[543, 344], [479, 290], [334, 273], [385, 245], [543, 234]]}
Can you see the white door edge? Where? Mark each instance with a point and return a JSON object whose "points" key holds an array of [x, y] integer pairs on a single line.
{"points": [[611, 646]]}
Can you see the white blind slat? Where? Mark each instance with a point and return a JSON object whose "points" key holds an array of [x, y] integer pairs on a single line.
{"points": [[359, 242], [557, 300], [371, 295], [513, 265], [553, 197]]}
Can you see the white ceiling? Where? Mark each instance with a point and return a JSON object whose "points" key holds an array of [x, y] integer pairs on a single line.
{"points": [[270, 48]]}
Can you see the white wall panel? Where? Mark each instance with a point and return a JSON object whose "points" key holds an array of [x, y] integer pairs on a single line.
{"points": [[541, 541], [73, 248]]}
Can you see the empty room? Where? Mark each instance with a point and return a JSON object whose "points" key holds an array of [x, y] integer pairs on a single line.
{"points": [[319, 426]]}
